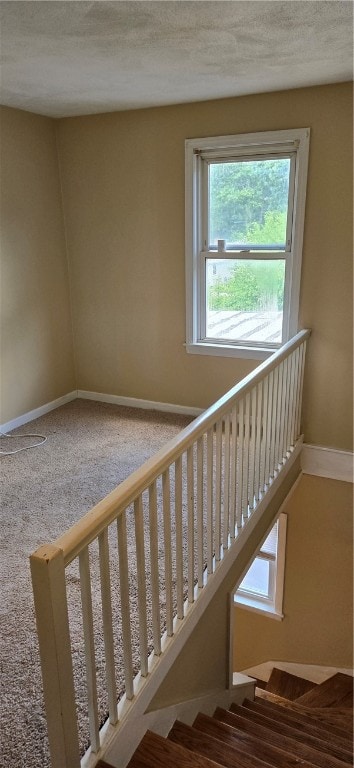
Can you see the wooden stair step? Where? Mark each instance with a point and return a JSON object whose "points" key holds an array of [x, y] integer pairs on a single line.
{"points": [[337, 691], [301, 734], [248, 744], [102, 764], [310, 725], [207, 745], [155, 751], [339, 718], [271, 736], [287, 685]]}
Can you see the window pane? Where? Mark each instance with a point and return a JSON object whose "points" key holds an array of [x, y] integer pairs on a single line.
{"points": [[244, 300], [271, 543], [248, 203], [257, 578]]}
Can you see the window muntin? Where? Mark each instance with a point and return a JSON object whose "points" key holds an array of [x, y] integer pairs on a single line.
{"points": [[266, 234]]}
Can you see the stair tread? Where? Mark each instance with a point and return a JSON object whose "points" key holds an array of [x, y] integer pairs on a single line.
{"points": [[303, 736], [334, 692], [288, 685], [103, 764], [287, 743], [208, 745], [294, 716], [248, 743], [339, 718], [154, 751]]}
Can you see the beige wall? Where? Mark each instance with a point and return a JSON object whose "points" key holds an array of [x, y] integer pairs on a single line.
{"points": [[318, 590], [36, 339], [123, 182], [123, 192]]}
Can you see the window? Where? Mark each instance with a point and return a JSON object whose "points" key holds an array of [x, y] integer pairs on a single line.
{"points": [[245, 202], [262, 587]]}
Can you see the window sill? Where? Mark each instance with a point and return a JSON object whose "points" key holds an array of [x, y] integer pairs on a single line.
{"points": [[257, 607], [229, 350]]}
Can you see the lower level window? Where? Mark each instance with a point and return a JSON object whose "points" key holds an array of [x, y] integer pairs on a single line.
{"points": [[261, 589]]}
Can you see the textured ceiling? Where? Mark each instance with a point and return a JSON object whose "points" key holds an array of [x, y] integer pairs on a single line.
{"points": [[76, 58]]}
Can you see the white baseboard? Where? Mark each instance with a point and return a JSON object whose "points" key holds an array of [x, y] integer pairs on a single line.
{"points": [[134, 402], [37, 412], [315, 460], [327, 462]]}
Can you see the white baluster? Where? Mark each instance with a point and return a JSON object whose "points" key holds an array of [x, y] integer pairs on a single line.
{"points": [[240, 449], [140, 565], [289, 436], [264, 430], [278, 420], [190, 512], [282, 413], [257, 463], [210, 487], [179, 537], [168, 551], [226, 494], [233, 459], [274, 423], [89, 643], [154, 560], [218, 451], [269, 433], [125, 604], [200, 508], [286, 409], [301, 384], [108, 625], [252, 447], [245, 491]]}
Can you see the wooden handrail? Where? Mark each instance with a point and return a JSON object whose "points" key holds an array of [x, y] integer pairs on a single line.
{"points": [[89, 527]]}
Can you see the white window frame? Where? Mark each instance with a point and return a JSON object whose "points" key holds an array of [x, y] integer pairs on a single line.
{"points": [[251, 146], [257, 602]]}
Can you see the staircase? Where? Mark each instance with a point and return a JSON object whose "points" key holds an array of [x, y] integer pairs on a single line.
{"points": [[292, 722]]}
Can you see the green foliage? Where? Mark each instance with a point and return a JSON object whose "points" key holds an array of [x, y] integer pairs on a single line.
{"points": [[253, 286], [271, 231], [243, 198]]}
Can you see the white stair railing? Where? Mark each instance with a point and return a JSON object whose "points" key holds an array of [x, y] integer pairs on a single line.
{"points": [[195, 496]]}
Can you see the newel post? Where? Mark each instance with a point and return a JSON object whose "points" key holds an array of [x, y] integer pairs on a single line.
{"points": [[48, 580]]}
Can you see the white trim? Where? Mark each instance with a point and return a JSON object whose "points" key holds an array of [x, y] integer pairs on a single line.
{"points": [[37, 412], [135, 402], [254, 605], [272, 606], [228, 350], [327, 462], [161, 720]]}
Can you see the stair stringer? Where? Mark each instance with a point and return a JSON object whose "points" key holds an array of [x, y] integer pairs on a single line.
{"points": [[160, 721], [119, 741]]}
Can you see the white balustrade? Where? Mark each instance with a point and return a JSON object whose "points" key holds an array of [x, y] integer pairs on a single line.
{"points": [[195, 496]]}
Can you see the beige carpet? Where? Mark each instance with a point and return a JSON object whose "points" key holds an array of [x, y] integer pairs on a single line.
{"points": [[91, 447]]}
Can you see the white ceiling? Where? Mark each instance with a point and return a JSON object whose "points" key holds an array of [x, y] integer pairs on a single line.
{"points": [[77, 57]]}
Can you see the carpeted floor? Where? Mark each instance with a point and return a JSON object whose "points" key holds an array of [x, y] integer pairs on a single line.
{"points": [[91, 447]]}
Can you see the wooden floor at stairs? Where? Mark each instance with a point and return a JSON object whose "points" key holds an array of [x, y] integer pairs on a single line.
{"points": [[292, 722]]}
